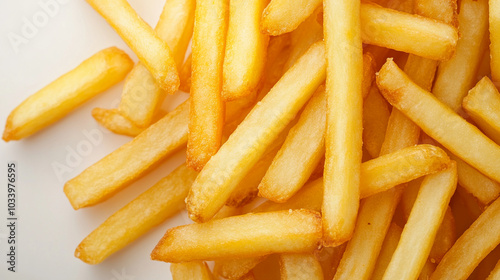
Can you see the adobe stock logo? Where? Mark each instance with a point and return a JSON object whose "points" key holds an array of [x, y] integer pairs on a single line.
{"points": [[30, 26]]}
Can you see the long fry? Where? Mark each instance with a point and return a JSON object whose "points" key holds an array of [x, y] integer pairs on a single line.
{"points": [[388, 247], [246, 47], [282, 16], [420, 230], [453, 80], [206, 113], [56, 100], [262, 233], [476, 242], [494, 24], [149, 209], [343, 139], [130, 161], [140, 37], [376, 115], [423, 108], [249, 141]]}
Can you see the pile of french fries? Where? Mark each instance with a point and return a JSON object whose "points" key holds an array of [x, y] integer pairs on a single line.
{"points": [[370, 131]]}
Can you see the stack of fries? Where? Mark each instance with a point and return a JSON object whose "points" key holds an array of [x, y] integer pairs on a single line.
{"points": [[372, 129]]}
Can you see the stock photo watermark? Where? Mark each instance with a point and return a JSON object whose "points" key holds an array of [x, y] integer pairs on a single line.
{"points": [[31, 26], [11, 220]]}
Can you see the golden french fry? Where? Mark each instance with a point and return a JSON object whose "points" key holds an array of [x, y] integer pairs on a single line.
{"points": [[130, 161], [388, 247], [424, 109], [399, 167], [262, 233], [59, 98], [494, 27], [284, 177], [453, 80], [483, 106], [282, 16], [141, 38], [148, 210], [306, 34], [344, 126], [442, 10], [369, 65], [115, 122], [245, 52], [424, 221], [389, 28], [472, 246], [190, 270], [259, 129], [185, 74], [300, 266], [376, 114], [206, 114]]}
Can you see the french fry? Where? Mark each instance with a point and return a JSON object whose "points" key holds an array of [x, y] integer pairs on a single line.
{"points": [[249, 141], [262, 234], [190, 270], [483, 106], [126, 164], [453, 80], [389, 28], [376, 114], [399, 167], [300, 266], [344, 126], [148, 210], [476, 242], [369, 65], [282, 16], [235, 268], [442, 10], [206, 114], [388, 247], [424, 221], [245, 52], [115, 122], [495, 273], [424, 109], [284, 177], [494, 28], [59, 98], [185, 74], [306, 34], [141, 38]]}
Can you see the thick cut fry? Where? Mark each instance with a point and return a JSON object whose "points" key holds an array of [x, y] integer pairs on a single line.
{"points": [[300, 267], [388, 247], [443, 10], [483, 106], [148, 210], [190, 270], [259, 129], [185, 74], [376, 114], [453, 80], [246, 47], [206, 114], [495, 273], [141, 38], [344, 125], [399, 167], [494, 24], [305, 144], [420, 230], [282, 16], [130, 161], [248, 235], [476, 242], [56, 100], [424, 109], [115, 122], [390, 28]]}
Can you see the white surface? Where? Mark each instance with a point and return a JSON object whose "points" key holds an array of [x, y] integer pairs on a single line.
{"points": [[49, 229]]}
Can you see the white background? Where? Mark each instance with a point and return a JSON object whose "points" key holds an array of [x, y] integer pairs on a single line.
{"points": [[49, 229]]}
